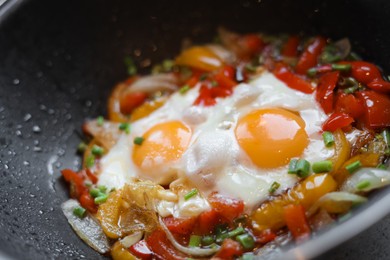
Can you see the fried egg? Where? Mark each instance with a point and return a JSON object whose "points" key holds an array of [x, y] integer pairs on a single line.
{"points": [[238, 147]]}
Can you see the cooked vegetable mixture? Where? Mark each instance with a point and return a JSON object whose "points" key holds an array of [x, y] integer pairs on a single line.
{"points": [[229, 146]]}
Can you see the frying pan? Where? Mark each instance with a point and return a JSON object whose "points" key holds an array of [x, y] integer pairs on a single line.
{"points": [[59, 60]]}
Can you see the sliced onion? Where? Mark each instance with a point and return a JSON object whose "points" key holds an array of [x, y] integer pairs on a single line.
{"points": [[344, 47], [130, 240], [223, 53], [87, 228], [154, 83], [336, 202], [376, 178], [106, 134], [193, 251]]}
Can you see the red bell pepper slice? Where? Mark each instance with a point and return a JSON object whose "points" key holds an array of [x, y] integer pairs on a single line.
{"points": [[265, 236], [325, 88], [159, 244], [88, 202], [230, 249], [141, 250], [290, 48], [253, 43], [295, 218], [348, 103], [183, 226], [208, 220], [376, 108], [228, 208], [309, 57], [130, 101], [292, 80], [336, 121]]}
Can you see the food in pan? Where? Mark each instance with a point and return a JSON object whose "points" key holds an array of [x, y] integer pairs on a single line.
{"points": [[230, 146]]}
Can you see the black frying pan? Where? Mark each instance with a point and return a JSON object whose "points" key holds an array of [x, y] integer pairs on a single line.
{"points": [[59, 60]]}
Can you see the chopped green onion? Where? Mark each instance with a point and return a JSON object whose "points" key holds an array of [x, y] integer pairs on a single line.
{"points": [[352, 167], [100, 120], [203, 76], [97, 150], [184, 89], [131, 68], [247, 256], [354, 56], [81, 147], [125, 127], [138, 140], [382, 166], [250, 67], [95, 192], [386, 136], [246, 241], [101, 198], [195, 241], [341, 67], [351, 90], [303, 168], [322, 166], [79, 212], [190, 194], [362, 185], [328, 138], [214, 83], [236, 232], [102, 188], [274, 186], [207, 240], [292, 167], [90, 161], [168, 65], [88, 183], [221, 237], [311, 72]]}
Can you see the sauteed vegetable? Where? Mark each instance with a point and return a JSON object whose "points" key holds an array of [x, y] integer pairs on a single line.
{"points": [[230, 145]]}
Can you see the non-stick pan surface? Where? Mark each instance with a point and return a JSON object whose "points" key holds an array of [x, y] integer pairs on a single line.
{"points": [[59, 59]]}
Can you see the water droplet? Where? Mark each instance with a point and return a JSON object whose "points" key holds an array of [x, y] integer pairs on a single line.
{"points": [[36, 129], [42, 107], [18, 133], [51, 111], [26, 163], [16, 81], [40, 212], [2, 109], [27, 117], [6, 166], [37, 149]]}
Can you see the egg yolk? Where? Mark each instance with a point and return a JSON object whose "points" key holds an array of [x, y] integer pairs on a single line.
{"points": [[271, 137], [162, 143]]}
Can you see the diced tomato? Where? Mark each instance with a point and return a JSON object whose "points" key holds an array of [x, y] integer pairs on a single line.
{"points": [[208, 220], [87, 202], [141, 250], [161, 247], [325, 88], [292, 80], [265, 236], [295, 218], [182, 226], [230, 249], [130, 101], [336, 121], [76, 179], [348, 103], [253, 43], [228, 208], [94, 179], [376, 108], [379, 85], [290, 49], [309, 57], [229, 72]]}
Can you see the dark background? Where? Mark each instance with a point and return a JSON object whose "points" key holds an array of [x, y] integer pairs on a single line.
{"points": [[59, 60]]}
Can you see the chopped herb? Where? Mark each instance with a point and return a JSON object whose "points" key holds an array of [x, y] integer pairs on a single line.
{"points": [[79, 212], [354, 56], [382, 166], [101, 198], [311, 72], [322, 166], [246, 240], [363, 184], [221, 237], [214, 83], [95, 192], [352, 167], [125, 127], [351, 90], [207, 240], [195, 241], [292, 167], [203, 76], [88, 183], [100, 120], [97, 150], [274, 186], [303, 168], [81, 147], [330, 54], [328, 138], [102, 188], [131, 68], [184, 89], [236, 232], [167, 65], [138, 140], [190, 194], [386, 136], [90, 161], [250, 67], [341, 67]]}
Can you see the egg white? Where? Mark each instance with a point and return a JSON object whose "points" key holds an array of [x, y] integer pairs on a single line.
{"points": [[214, 161]]}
